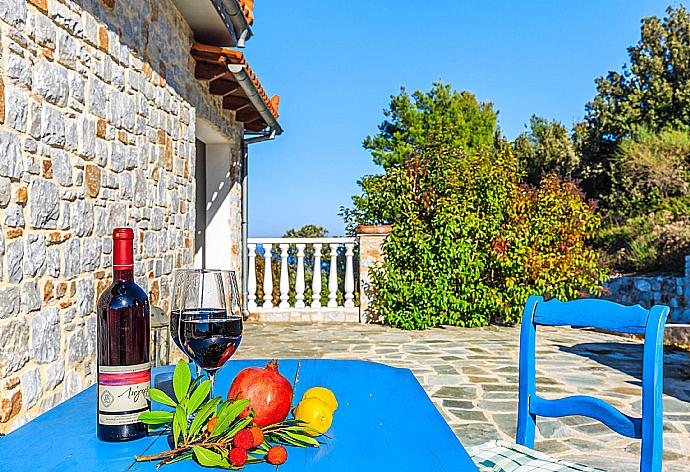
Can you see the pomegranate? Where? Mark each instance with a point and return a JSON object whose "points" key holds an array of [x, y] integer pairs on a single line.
{"points": [[268, 392]]}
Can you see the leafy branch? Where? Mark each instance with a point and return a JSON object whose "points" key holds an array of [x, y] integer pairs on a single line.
{"points": [[204, 429]]}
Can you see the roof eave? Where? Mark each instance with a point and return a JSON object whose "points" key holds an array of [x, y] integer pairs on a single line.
{"points": [[254, 95], [216, 22]]}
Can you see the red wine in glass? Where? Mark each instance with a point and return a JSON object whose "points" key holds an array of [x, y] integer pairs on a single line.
{"points": [[209, 336], [206, 317]]}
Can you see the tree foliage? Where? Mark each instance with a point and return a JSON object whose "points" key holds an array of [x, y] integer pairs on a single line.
{"points": [[546, 148], [652, 93], [441, 115], [470, 242]]}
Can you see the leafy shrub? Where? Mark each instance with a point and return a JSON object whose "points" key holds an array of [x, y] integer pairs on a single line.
{"points": [[469, 244], [655, 242]]}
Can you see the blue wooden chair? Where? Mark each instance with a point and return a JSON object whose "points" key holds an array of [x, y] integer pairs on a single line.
{"points": [[498, 456]]}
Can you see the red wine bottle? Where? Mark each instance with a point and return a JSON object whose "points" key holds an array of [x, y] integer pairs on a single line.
{"points": [[124, 371]]}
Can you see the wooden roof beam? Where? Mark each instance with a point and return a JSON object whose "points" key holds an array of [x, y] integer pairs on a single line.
{"points": [[205, 71], [223, 87]]}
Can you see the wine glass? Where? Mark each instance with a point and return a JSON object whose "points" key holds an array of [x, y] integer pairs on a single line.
{"points": [[206, 317]]}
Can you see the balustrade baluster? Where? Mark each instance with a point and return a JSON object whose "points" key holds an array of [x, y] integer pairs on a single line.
{"points": [[251, 276], [316, 281], [284, 280], [299, 280], [349, 275], [333, 277], [268, 277]]}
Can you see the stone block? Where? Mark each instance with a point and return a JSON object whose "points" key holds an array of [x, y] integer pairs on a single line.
{"points": [[65, 17], [14, 216], [91, 254], [71, 134], [55, 373], [5, 191], [72, 256], [34, 123], [31, 387], [14, 346], [53, 261], [89, 28], [97, 99], [62, 167], [19, 68], [30, 297], [82, 219], [10, 300], [92, 180], [50, 81], [13, 12], [76, 347], [87, 131], [45, 336], [117, 156], [67, 49], [16, 107], [44, 32], [53, 126], [44, 204], [73, 384], [15, 260], [10, 150], [35, 255]]}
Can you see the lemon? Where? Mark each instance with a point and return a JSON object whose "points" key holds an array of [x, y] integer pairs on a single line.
{"points": [[322, 394], [316, 415]]}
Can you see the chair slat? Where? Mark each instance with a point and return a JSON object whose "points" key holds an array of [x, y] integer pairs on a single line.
{"points": [[590, 407], [592, 313]]}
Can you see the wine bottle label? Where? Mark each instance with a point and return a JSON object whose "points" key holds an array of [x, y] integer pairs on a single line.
{"points": [[123, 393]]}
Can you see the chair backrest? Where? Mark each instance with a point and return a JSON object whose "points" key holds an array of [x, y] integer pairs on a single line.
{"points": [[613, 317]]}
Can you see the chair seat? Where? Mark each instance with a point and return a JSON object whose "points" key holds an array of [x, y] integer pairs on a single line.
{"points": [[501, 456]]}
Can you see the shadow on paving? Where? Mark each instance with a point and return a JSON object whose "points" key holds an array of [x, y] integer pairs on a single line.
{"points": [[627, 358]]}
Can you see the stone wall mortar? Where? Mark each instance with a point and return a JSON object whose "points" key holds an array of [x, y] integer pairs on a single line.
{"points": [[98, 110]]}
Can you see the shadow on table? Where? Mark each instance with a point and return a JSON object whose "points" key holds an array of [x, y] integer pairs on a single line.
{"points": [[627, 358]]}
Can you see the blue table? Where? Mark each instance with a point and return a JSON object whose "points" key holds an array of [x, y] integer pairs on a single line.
{"points": [[385, 422]]}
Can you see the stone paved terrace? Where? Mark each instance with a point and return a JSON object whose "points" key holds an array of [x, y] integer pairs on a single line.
{"points": [[471, 375]]}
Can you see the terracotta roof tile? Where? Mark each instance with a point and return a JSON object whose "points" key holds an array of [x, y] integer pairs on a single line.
{"points": [[212, 65]]}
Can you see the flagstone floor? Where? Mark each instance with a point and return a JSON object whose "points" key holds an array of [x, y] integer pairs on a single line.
{"points": [[471, 376]]}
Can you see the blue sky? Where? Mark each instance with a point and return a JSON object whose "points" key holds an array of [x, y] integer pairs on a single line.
{"points": [[335, 65]]}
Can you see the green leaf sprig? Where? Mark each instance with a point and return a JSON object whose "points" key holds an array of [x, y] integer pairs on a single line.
{"points": [[196, 437]]}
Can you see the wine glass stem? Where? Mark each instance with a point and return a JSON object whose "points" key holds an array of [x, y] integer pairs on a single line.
{"points": [[212, 378]]}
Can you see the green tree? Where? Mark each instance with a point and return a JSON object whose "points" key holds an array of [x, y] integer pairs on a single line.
{"points": [[441, 115], [653, 92], [546, 148]]}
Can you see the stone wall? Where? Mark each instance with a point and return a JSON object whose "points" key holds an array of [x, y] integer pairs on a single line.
{"points": [[371, 239], [98, 104], [667, 290]]}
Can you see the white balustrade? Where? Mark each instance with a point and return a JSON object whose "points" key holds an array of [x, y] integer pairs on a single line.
{"points": [[349, 275], [316, 281], [284, 280], [287, 257], [268, 277], [251, 283], [299, 280], [333, 277]]}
